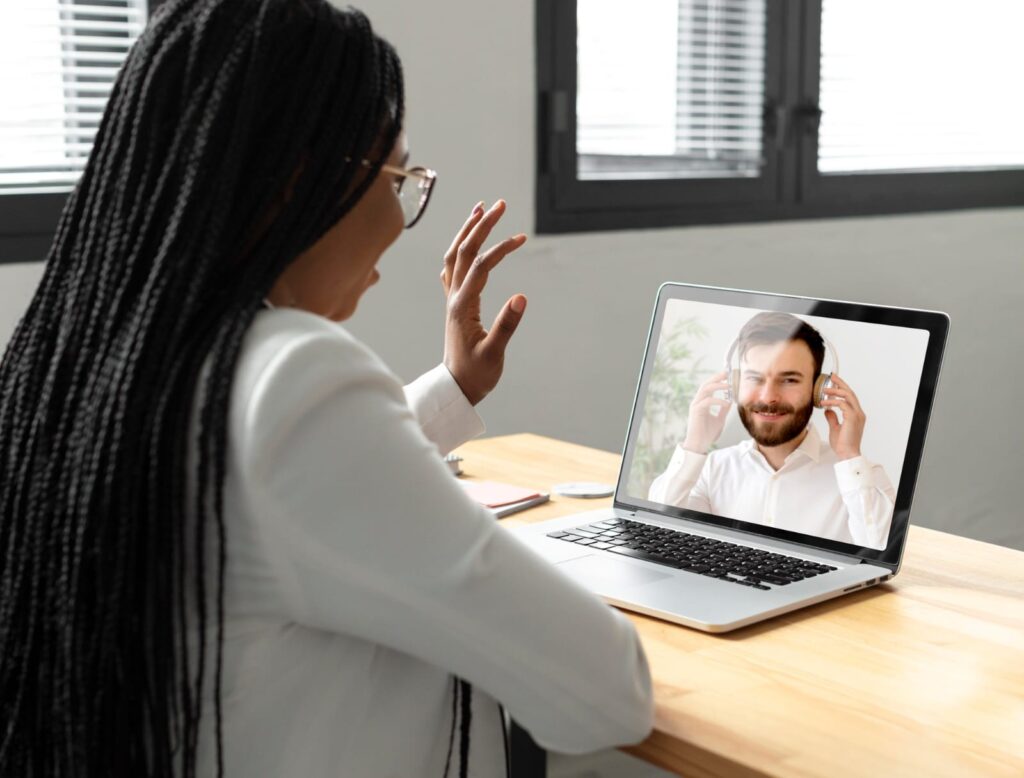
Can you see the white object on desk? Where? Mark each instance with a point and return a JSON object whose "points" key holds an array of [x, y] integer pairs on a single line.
{"points": [[454, 463], [584, 489]]}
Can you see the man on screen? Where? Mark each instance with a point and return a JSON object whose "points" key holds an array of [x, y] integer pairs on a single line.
{"points": [[785, 475]]}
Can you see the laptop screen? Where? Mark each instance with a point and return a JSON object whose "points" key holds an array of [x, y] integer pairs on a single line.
{"points": [[780, 414]]}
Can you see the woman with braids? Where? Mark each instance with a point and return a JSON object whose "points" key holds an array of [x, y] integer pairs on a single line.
{"points": [[228, 543]]}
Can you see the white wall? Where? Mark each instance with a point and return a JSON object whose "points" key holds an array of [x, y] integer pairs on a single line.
{"points": [[572, 366]]}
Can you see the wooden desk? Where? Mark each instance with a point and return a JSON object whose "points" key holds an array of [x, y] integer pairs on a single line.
{"points": [[922, 676]]}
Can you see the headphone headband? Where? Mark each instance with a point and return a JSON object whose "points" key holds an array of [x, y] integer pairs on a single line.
{"points": [[821, 383]]}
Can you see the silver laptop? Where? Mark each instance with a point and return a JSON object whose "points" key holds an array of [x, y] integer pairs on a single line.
{"points": [[770, 459]]}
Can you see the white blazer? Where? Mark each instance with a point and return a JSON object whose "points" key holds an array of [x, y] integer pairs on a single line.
{"points": [[360, 576]]}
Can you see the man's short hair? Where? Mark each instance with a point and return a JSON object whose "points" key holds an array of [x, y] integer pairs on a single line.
{"points": [[775, 327]]}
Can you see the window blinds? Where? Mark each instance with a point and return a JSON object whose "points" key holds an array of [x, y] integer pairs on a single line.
{"points": [[921, 85], [58, 61], [671, 88]]}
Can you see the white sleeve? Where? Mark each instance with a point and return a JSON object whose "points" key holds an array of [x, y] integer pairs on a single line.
{"points": [[676, 485], [446, 416], [372, 537], [870, 499]]}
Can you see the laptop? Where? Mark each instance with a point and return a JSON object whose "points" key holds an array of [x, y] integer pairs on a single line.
{"points": [[770, 459]]}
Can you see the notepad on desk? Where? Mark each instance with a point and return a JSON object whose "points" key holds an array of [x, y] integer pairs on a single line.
{"points": [[503, 499]]}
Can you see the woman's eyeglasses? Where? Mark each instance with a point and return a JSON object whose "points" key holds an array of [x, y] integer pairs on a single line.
{"points": [[413, 195]]}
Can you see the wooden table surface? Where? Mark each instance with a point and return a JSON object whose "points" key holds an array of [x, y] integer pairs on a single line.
{"points": [[921, 676]]}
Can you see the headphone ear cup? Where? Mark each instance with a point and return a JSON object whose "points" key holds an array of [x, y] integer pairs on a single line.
{"points": [[819, 388], [734, 385]]}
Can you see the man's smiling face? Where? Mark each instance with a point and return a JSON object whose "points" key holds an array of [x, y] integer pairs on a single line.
{"points": [[776, 386]]}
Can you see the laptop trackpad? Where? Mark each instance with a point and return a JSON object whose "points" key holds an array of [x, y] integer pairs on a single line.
{"points": [[601, 573]]}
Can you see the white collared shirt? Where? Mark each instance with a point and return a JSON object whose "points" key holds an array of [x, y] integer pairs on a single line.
{"points": [[360, 576], [813, 492]]}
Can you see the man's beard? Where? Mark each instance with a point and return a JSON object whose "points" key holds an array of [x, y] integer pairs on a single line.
{"points": [[775, 433]]}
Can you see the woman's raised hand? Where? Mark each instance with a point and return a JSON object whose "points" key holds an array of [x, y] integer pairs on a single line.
{"points": [[474, 356]]}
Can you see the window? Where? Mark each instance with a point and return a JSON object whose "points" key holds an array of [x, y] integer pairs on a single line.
{"points": [[669, 112], [682, 99], [58, 60]]}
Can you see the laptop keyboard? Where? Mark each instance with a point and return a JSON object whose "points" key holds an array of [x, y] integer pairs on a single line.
{"points": [[715, 558]]}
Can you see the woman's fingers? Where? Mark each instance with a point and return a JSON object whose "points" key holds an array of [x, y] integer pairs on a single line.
{"points": [[450, 255], [475, 277], [504, 326], [470, 247]]}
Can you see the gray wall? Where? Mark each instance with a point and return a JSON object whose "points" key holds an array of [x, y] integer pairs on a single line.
{"points": [[572, 366], [16, 285]]}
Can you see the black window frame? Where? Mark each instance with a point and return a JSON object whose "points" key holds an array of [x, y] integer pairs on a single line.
{"points": [[790, 186], [28, 221]]}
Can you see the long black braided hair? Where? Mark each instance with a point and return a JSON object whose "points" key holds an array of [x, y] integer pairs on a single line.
{"points": [[231, 142]]}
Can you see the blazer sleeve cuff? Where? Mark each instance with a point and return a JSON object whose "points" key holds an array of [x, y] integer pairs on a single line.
{"points": [[446, 416]]}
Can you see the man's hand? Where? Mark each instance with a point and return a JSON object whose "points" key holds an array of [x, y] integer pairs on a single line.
{"points": [[845, 436], [474, 356], [704, 427]]}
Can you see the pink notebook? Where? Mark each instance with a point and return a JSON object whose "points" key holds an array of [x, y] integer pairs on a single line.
{"points": [[492, 494], [503, 499]]}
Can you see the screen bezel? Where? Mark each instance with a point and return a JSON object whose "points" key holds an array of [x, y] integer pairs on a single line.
{"points": [[935, 323]]}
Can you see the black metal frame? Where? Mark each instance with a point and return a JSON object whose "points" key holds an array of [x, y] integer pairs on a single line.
{"points": [[790, 186], [28, 221], [27, 224]]}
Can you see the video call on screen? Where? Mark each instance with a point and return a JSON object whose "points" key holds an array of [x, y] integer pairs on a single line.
{"points": [[726, 422]]}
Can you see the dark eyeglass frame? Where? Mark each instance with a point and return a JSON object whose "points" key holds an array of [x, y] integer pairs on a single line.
{"points": [[426, 175]]}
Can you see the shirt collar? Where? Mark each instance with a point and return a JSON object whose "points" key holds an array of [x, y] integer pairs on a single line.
{"points": [[809, 447]]}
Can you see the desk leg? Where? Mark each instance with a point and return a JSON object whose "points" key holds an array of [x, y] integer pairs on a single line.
{"points": [[528, 759]]}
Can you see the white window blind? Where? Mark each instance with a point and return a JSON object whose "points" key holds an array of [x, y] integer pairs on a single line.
{"points": [[921, 85], [58, 60], [670, 88]]}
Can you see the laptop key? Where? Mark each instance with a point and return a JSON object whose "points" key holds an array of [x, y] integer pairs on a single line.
{"points": [[557, 534]]}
